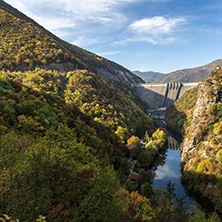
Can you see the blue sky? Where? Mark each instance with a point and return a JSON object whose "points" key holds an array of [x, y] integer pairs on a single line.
{"points": [[145, 35]]}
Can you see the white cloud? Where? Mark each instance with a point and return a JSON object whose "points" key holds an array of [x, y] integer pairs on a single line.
{"points": [[157, 25], [54, 23], [99, 11], [156, 30], [150, 39]]}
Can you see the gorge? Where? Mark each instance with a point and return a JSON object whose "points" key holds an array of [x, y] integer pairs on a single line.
{"points": [[72, 129], [197, 115]]}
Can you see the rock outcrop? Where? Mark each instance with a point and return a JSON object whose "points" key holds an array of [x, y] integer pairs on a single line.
{"points": [[204, 101], [202, 146]]}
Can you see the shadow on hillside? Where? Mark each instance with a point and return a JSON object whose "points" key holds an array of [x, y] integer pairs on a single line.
{"points": [[199, 187], [175, 119]]}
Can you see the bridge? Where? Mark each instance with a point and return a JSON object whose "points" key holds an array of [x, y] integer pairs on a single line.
{"points": [[162, 95]]}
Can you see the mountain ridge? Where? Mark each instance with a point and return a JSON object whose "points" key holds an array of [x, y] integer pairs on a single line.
{"points": [[147, 76], [196, 74]]}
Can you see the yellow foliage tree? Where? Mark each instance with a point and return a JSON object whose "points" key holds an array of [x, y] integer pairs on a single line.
{"points": [[133, 139], [134, 207]]}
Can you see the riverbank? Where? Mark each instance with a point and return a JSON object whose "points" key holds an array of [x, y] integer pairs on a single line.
{"points": [[187, 185]]}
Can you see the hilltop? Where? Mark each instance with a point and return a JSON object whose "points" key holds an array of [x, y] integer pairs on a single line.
{"points": [[33, 46]]}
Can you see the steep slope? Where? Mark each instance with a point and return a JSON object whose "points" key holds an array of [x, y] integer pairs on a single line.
{"points": [[201, 148], [40, 48], [189, 75], [111, 105], [148, 77], [53, 157], [23, 47]]}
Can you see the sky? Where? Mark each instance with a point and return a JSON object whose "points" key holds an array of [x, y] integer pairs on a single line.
{"points": [[144, 35]]}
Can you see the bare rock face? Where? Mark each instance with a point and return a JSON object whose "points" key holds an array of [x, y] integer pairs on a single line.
{"points": [[119, 75], [204, 101], [60, 67]]}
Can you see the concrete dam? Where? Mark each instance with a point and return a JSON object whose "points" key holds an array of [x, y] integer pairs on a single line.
{"points": [[162, 95]]}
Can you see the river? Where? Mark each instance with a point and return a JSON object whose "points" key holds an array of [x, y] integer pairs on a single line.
{"points": [[170, 170]]}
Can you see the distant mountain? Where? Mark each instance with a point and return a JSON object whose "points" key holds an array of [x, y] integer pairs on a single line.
{"points": [[149, 76], [185, 75], [189, 75], [33, 46]]}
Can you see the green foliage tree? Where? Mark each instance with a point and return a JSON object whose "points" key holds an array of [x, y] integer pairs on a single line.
{"points": [[170, 211], [129, 186], [101, 204], [147, 190], [198, 215]]}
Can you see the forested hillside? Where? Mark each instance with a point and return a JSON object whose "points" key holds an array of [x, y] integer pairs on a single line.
{"points": [[25, 45], [53, 157], [95, 96]]}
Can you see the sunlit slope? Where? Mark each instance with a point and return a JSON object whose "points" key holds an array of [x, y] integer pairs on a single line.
{"points": [[27, 45]]}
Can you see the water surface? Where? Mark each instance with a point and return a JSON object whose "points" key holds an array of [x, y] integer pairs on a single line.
{"points": [[170, 171]]}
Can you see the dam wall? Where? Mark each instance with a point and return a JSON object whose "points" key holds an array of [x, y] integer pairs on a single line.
{"points": [[162, 95]]}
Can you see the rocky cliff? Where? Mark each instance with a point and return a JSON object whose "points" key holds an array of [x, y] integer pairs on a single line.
{"points": [[202, 146], [204, 101]]}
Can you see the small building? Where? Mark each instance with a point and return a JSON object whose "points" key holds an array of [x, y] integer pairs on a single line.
{"points": [[134, 177]]}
